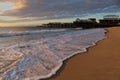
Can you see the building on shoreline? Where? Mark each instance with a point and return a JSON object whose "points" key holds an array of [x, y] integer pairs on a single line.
{"points": [[110, 19], [107, 21], [86, 23]]}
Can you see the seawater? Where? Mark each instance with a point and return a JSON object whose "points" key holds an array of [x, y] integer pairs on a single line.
{"points": [[33, 53]]}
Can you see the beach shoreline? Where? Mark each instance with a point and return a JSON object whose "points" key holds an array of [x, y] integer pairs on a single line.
{"points": [[70, 70], [65, 61]]}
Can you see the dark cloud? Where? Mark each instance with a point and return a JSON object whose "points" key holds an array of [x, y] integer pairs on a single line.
{"points": [[51, 9]]}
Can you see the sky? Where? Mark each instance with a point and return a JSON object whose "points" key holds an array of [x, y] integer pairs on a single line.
{"points": [[37, 12]]}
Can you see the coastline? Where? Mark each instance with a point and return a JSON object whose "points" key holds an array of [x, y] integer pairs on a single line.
{"points": [[60, 68], [65, 61], [73, 69], [72, 45]]}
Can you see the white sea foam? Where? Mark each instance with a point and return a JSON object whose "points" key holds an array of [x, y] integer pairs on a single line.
{"points": [[20, 33], [42, 58]]}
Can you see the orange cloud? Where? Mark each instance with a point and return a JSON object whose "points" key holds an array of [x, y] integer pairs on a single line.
{"points": [[20, 4], [37, 10]]}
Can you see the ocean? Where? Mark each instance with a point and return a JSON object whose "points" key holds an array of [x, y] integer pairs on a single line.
{"points": [[32, 53]]}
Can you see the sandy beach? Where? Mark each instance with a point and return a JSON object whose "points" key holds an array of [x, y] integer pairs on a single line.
{"points": [[101, 62]]}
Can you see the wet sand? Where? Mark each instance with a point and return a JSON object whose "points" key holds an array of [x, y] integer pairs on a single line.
{"points": [[101, 62]]}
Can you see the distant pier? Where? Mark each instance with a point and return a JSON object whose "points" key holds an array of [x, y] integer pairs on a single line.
{"points": [[107, 21]]}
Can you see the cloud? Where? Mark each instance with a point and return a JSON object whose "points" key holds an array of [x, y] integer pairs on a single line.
{"points": [[53, 9]]}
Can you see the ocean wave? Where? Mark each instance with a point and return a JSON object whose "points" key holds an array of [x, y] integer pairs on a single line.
{"points": [[42, 58], [10, 34]]}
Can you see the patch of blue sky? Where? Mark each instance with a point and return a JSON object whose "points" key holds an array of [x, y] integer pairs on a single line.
{"points": [[5, 6]]}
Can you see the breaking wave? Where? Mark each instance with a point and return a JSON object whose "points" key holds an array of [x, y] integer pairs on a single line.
{"points": [[39, 59], [10, 34]]}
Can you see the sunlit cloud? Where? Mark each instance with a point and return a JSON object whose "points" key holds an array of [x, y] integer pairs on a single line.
{"points": [[19, 5], [34, 10]]}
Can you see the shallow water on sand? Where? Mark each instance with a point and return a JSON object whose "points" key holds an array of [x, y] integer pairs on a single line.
{"points": [[36, 54]]}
